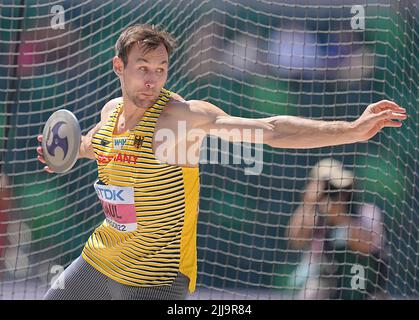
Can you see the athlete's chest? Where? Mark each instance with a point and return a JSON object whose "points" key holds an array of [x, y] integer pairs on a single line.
{"points": [[176, 141], [168, 135]]}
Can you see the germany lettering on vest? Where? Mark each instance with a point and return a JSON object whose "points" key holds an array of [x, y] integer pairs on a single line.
{"points": [[120, 157]]}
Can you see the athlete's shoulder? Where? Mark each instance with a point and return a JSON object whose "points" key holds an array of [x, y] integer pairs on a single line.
{"points": [[176, 97], [198, 107], [178, 107], [109, 107], [176, 103], [197, 113], [111, 104]]}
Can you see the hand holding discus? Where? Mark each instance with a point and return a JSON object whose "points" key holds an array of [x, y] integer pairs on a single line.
{"points": [[60, 142]]}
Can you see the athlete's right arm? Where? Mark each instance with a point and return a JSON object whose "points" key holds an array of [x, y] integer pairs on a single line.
{"points": [[86, 147]]}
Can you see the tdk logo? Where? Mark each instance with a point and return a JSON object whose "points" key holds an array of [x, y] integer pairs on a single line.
{"points": [[114, 194], [110, 195]]}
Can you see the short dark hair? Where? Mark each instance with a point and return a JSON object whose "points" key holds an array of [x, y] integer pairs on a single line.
{"points": [[149, 36]]}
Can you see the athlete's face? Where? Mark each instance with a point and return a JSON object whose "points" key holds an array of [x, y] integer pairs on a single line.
{"points": [[144, 75]]}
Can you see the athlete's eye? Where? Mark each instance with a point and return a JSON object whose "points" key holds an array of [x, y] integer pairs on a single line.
{"points": [[142, 69], [160, 70]]}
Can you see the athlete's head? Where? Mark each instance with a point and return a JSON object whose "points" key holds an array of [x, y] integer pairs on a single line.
{"points": [[142, 61]]}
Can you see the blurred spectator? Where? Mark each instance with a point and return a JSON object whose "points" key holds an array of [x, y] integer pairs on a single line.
{"points": [[337, 235]]}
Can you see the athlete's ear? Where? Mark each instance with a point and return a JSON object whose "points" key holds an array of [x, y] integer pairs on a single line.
{"points": [[118, 65]]}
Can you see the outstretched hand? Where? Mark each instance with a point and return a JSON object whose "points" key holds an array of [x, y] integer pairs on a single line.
{"points": [[41, 155], [377, 116]]}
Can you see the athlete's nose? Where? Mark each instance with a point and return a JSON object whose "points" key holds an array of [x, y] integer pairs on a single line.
{"points": [[150, 81]]}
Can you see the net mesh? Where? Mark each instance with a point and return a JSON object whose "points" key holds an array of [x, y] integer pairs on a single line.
{"points": [[253, 59]]}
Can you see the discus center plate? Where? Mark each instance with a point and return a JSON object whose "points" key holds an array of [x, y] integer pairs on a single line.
{"points": [[61, 140]]}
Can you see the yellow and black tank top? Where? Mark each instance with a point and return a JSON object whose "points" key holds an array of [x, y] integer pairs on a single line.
{"points": [[151, 208]]}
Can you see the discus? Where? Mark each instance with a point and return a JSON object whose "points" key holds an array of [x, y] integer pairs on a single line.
{"points": [[61, 140]]}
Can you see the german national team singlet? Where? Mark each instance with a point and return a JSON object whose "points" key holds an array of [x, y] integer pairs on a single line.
{"points": [[151, 209]]}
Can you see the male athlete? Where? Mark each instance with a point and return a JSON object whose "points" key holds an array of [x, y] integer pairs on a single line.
{"points": [[146, 246]]}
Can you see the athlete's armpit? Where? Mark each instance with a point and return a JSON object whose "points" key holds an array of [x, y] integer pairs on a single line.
{"points": [[86, 146]]}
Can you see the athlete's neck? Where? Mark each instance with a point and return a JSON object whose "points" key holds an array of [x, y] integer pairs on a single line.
{"points": [[130, 115], [130, 110]]}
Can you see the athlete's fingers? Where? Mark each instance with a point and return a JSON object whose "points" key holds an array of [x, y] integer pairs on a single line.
{"points": [[47, 169], [40, 156], [394, 124], [386, 105], [40, 151], [400, 116], [388, 114], [41, 159]]}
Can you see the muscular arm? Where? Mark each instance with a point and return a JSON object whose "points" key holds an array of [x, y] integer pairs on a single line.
{"points": [[301, 133], [86, 146], [296, 132]]}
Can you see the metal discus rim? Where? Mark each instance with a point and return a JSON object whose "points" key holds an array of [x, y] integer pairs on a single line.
{"points": [[65, 122]]}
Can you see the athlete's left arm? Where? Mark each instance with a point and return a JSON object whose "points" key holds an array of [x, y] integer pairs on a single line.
{"points": [[297, 132]]}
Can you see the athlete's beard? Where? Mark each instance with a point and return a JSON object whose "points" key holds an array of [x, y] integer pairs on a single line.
{"points": [[142, 103]]}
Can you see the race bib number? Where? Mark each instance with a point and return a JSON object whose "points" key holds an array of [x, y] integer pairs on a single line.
{"points": [[118, 206]]}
